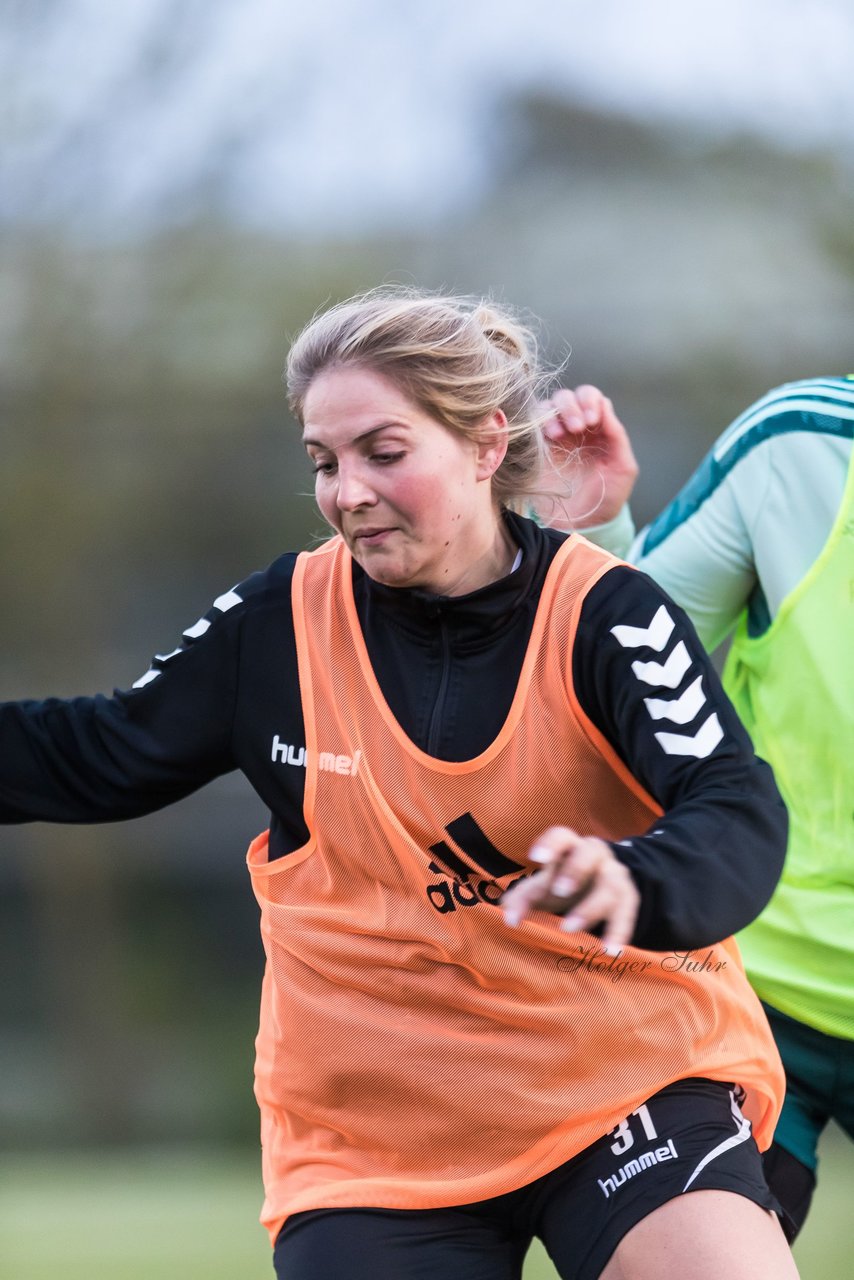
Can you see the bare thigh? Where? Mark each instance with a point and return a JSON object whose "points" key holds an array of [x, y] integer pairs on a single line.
{"points": [[704, 1235]]}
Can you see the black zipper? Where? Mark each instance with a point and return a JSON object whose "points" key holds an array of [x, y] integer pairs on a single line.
{"points": [[434, 733]]}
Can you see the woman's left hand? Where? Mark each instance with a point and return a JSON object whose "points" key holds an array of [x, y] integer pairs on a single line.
{"points": [[581, 879]]}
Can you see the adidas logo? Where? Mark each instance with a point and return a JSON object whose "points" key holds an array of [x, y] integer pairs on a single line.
{"points": [[470, 864], [446, 895]]}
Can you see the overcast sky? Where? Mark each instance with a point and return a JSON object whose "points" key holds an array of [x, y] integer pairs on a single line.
{"points": [[343, 113]]}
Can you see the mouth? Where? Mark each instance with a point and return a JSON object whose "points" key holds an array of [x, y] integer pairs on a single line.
{"points": [[370, 537]]}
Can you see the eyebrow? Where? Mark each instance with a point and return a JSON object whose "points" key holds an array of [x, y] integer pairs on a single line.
{"points": [[363, 435]]}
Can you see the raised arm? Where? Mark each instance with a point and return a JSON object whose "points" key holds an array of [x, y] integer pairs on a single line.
{"points": [[700, 548]]}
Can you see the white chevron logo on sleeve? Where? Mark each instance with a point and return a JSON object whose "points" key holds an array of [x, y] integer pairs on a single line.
{"points": [[150, 675], [654, 637], [223, 603], [197, 629], [227, 601], [681, 710], [667, 674], [700, 745], [153, 672]]}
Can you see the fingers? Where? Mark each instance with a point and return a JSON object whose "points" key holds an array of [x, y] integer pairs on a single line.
{"points": [[527, 895], [594, 405], [574, 412], [613, 900], [580, 879], [619, 443]]}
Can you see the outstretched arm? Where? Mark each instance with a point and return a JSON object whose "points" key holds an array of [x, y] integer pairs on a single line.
{"points": [[105, 759]]}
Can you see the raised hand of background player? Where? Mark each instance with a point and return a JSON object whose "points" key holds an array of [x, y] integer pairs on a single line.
{"points": [[592, 469]]}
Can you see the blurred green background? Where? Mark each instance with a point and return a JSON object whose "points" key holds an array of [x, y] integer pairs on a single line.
{"points": [[158, 1213], [148, 463]]}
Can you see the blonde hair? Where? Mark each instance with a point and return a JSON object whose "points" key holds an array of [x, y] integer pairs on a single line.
{"points": [[458, 358]]}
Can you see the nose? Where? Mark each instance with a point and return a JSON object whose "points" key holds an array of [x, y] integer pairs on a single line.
{"points": [[354, 491]]}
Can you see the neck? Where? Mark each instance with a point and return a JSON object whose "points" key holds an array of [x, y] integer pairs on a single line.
{"points": [[494, 563]]}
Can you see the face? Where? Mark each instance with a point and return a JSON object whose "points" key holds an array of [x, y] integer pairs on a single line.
{"points": [[412, 499]]}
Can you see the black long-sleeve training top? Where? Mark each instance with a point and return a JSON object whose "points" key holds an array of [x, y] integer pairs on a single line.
{"points": [[228, 698]]}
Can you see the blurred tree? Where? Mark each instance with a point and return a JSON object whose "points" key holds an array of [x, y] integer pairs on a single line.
{"points": [[149, 462]]}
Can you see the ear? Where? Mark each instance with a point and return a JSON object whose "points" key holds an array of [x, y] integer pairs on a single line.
{"points": [[492, 445]]}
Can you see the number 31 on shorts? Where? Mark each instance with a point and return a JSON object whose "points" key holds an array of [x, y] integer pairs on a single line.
{"points": [[623, 1136]]}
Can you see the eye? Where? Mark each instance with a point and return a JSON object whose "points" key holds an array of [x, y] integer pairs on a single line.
{"points": [[385, 459], [320, 467]]}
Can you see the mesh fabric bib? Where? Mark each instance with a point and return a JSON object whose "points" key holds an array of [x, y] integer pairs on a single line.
{"points": [[793, 687], [414, 1051]]}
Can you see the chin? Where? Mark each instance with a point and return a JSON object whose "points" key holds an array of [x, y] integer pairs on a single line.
{"points": [[387, 578], [375, 567], [387, 575]]}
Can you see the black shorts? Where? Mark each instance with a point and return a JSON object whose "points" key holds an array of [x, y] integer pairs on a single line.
{"points": [[691, 1136]]}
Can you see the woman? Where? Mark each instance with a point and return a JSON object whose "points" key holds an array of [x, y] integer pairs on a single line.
{"points": [[757, 547], [438, 699]]}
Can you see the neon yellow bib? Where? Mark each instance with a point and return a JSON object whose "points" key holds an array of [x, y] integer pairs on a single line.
{"points": [[793, 687]]}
